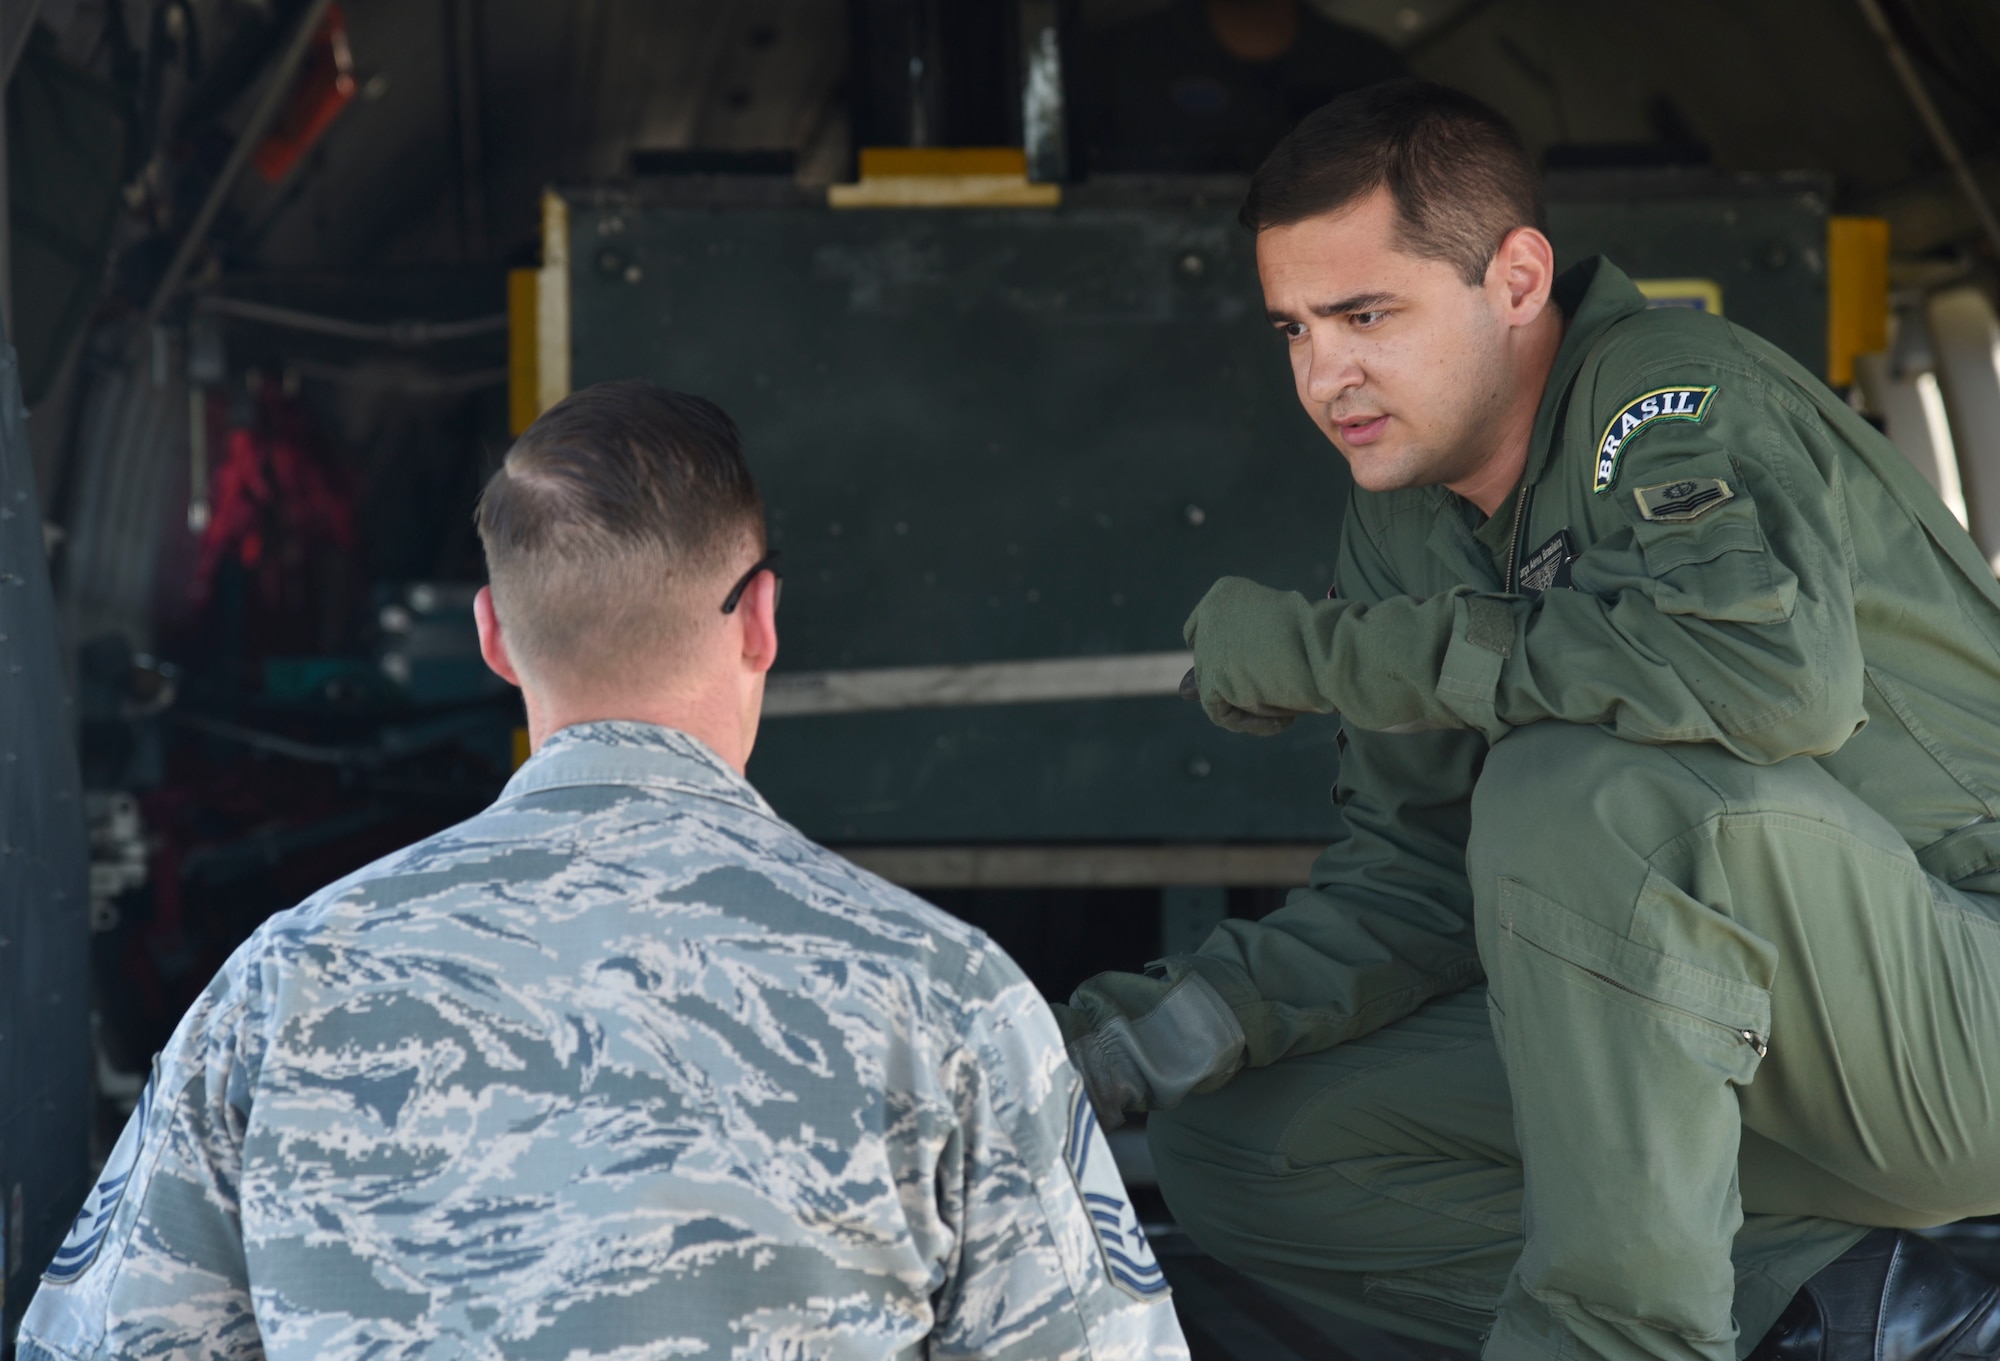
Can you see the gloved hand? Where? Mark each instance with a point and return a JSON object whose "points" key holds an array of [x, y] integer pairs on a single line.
{"points": [[1252, 667], [1144, 1042], [1113, 1085]]}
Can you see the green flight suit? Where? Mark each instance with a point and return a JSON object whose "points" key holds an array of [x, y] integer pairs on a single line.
{"points": [[1657, 951]]}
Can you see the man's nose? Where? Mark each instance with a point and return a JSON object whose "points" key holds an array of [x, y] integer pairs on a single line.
{"points": [[1333, 372]]}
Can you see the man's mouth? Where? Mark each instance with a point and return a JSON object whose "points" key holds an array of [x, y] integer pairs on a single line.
{"points": [[1360, 429]]}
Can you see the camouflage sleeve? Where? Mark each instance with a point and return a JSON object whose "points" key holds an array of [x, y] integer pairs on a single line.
{"points": [[154, 1265], [1051, 1260]]}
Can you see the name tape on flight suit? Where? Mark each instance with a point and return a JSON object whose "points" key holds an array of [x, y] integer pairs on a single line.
{"points": [[1548, 567], [1663, 404], [1678, 502]]}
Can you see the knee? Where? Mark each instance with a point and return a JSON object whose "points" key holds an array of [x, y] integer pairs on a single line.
{"points": [[1245, 1182], [1578, 799], [1240, 1186], [1209, 1183]]}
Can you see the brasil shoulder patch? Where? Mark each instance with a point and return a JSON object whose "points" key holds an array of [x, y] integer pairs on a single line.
{"points": [[1661, 404]]}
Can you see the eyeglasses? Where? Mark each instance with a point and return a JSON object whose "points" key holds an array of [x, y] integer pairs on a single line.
{"points": [[767, 563]]}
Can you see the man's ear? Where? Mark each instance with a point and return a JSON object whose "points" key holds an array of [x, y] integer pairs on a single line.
{"points": [[759, 615], [492, 644], [1526, 264]]}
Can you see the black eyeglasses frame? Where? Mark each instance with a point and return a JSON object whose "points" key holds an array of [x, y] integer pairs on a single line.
{"points": [[767, 563]]}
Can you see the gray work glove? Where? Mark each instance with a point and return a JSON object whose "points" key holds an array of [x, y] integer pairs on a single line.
{"points": [[1252, 670], [1184, 1038], [1255, 722]]}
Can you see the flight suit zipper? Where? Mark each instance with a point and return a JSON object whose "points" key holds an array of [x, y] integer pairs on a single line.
{"points": [[1757, 1042], [1514, 538]]}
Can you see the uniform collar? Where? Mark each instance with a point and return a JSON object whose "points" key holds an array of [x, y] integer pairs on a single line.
{"points": [[643, 755], [1593, 295]]}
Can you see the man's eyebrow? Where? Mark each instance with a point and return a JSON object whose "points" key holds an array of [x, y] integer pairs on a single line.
{"points": [[1358, 302]]}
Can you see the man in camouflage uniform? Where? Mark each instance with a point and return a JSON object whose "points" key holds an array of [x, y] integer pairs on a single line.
{"points": [[624, 1066]]}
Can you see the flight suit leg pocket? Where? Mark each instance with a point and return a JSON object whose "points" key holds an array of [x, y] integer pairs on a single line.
{"points": [[1548, 951], [1622, 1061]]}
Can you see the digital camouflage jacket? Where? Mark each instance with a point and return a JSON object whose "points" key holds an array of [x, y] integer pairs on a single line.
{"points": [[624, 1066]]}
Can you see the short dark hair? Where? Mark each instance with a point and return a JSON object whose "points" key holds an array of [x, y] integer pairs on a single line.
{"points": [[1459, 175], [612, 500]]}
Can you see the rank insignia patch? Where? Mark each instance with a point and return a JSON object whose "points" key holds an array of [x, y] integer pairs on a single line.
{"points": [[1678, 502], [1121, 1244], [93, 1221], [1663, 404]]}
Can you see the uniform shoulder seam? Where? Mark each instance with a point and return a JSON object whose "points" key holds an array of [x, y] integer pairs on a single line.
{"points": [[1647, 348]]}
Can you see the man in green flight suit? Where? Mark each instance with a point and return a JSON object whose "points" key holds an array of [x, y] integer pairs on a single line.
{"points": [[1651, 991]]}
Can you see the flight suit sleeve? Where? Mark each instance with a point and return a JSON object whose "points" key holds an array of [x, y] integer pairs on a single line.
{"points": [[1730, 621], [1050, 1258], [154, 1263], [1384, 924]]}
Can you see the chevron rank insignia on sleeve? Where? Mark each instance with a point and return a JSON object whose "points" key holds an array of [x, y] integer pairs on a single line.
{"points": [[1121, 1242], [1690, 498]]}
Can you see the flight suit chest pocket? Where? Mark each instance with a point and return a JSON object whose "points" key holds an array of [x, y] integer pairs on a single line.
{"points": [[1716, 565]]}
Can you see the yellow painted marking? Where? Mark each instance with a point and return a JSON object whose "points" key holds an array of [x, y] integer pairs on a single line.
{"points": [[1704, 295], [523, 347], [1857, 293], [552, 306], [944, 177], [880, 162]]}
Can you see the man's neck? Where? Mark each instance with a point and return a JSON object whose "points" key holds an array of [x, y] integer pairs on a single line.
{"points": [[708, 715], [1495, 479]]}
